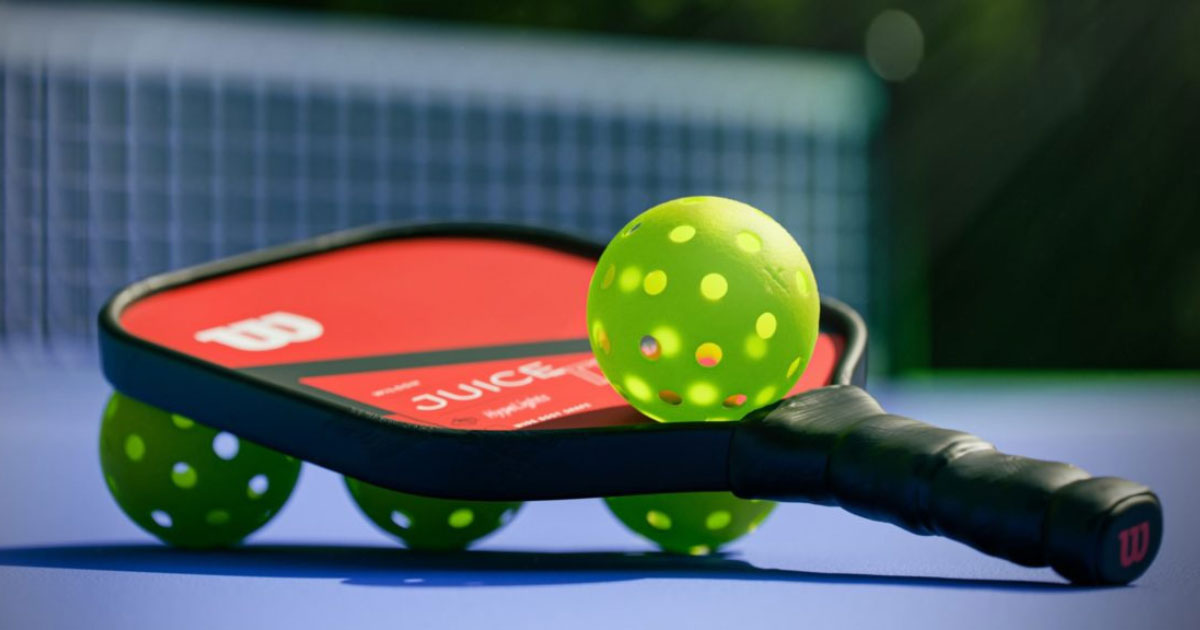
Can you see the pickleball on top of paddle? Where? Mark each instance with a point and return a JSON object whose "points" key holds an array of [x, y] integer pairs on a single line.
{"points": [[702, 308]]}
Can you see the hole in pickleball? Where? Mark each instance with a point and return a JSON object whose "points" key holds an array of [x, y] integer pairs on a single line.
{"points": [[401, 519], [649, 348], [670, 397], [608, 277], [700, 550], [110, 409], [182, 422], [757, 519], [756, 347], [161, 518], [658, 520], [749, 242], [461, 518], [637, 387], [668, 340], [629, 279], [601, 337], [702, 394], [765, 325], [765, 395], [633, 228], [708, 354], [257, 486], [655, 282], [216, 517], [135, 448], [718, 519], [225, 445], [713, 286], [682, 234], [736, 400], [801, 283], [795, 365], [507, 516], [183, 475]]}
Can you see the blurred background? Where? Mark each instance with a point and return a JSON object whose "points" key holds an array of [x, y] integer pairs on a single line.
{"points": [[1006, 185]]}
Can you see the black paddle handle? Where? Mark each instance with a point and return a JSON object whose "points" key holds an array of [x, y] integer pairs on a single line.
{"points": [[837, 446]]}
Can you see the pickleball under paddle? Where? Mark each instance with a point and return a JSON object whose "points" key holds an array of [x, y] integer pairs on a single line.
{"points": [[453, 362]]}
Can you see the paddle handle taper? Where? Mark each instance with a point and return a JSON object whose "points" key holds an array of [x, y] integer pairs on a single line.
{"points": [[837, 446]]}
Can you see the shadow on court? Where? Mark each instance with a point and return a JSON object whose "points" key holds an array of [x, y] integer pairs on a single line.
{"points": [[390, 566]]}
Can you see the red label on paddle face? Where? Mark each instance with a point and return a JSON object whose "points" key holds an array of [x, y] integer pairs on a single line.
{"points": [[389, 297], [455, 332]]}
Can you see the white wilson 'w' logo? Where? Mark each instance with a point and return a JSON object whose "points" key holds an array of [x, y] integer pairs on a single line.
{"points": [[259, 334]]}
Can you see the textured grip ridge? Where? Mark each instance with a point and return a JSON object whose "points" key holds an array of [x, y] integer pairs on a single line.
{"points": [[837, 446]]}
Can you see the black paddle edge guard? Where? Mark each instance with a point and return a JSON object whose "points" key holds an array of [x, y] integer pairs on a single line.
{"points": [[433, 461]]}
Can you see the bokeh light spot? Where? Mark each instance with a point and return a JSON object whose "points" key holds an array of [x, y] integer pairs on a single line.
{"points": [[895, 45], [713, 286], [655, 282]]}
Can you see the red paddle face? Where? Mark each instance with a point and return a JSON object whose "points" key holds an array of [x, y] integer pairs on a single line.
{"points": [[455, 332]]}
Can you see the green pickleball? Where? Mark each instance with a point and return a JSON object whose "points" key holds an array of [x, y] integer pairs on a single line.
{"points": [[702, 308], [428, 523], [695, 523], [188, 484]]}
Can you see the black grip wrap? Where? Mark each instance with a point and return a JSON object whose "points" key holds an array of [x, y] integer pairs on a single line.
{"points": [[837, 446]]}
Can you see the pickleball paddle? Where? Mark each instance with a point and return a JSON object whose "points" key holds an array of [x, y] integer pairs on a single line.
{"points": [[452, 361]]}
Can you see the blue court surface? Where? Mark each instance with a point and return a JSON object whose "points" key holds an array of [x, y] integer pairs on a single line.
{"points": [[70, 559]]}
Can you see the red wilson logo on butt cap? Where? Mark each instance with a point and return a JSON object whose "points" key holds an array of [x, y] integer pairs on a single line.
{"points": [[1135, 542]]}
